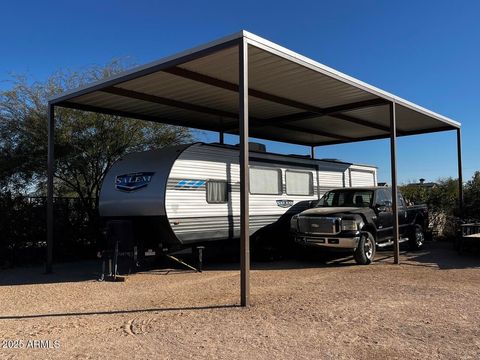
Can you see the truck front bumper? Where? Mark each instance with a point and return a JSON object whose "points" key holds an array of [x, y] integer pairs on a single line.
{"points": [[329, 242]]}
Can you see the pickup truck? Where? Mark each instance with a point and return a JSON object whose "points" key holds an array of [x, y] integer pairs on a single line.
{"points": [[359, 220]]}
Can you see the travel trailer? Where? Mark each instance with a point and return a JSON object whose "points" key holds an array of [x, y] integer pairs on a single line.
{"points": [[181, 196]]}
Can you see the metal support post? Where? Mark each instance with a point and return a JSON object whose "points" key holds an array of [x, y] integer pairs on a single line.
{"points": [[460, 175], [244, 176], [50, 172], [393, 165]]}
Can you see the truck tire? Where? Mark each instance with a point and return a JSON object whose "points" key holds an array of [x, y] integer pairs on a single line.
{"points": [[417, 237], [365, 251]]}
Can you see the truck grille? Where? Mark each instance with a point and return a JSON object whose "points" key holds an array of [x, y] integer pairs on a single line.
{"points": [[319, 225]]}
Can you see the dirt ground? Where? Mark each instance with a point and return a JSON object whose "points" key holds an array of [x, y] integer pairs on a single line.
{"points": [[428, 307]]}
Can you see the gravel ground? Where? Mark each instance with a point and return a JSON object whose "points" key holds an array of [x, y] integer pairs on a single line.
{"points": [[428, 307]]}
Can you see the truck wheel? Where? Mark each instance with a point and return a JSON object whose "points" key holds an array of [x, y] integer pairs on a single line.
{"points": [[365, 251], [417, 237]]}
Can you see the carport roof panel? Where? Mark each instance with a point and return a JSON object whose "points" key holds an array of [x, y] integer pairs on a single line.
{"points": [[291, 98]]}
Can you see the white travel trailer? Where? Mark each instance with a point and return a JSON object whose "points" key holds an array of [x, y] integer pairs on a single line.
{"points": [[188, 194]]}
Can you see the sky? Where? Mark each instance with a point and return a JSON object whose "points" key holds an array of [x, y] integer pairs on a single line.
{"points": [[427, 52]]}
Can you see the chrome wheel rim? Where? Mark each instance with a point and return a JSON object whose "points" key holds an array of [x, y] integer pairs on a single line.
{"points": [[368, 248]]}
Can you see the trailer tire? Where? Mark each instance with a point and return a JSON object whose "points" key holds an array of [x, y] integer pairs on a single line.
{"points": [[417, 237], [365, 251]]}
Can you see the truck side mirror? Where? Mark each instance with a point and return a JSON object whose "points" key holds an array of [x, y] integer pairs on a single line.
{"points": [[383, 206]]}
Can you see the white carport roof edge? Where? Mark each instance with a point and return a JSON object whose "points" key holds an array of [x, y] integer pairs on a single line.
{"points": [[261, 43]]}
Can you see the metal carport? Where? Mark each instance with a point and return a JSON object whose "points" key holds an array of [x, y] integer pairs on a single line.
{"points": [[243, 84]]}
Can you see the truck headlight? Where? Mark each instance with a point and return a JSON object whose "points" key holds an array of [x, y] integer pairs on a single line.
{"points": [[350, 225], [294, 223]]}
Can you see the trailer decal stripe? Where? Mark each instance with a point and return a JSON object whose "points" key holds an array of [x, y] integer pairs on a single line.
{"points": [[187, 184]]}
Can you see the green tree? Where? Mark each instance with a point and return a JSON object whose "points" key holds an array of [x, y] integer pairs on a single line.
{"points": [[442, 202], [86, 144], [472, 197]]}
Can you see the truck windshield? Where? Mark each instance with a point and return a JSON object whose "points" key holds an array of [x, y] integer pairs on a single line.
{"points": [[347, 198]]}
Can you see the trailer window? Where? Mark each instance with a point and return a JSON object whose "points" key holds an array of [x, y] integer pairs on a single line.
{"points": [[299, 182], [217, 192], [265, 181]]}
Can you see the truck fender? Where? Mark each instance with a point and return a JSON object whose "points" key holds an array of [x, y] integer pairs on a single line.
{"points": [[368, 220], [368, 228]]}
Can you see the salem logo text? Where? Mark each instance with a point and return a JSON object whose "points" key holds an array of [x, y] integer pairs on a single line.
{"points": [[134, 181], [284, 203]]}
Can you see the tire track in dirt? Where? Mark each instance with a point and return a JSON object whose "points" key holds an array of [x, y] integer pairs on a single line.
{"points": [[128, 327], [137, 326]]}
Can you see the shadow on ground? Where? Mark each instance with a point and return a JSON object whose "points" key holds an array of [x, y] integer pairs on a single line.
{"points": [[439, 255], [63, 272], [114, 312]]}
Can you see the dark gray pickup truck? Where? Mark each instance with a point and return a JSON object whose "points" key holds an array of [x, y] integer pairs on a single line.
{"points": [[359, 220]]}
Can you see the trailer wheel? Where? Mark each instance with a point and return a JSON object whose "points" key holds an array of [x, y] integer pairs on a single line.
{"points": [[365, 251], [417, 237]]}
